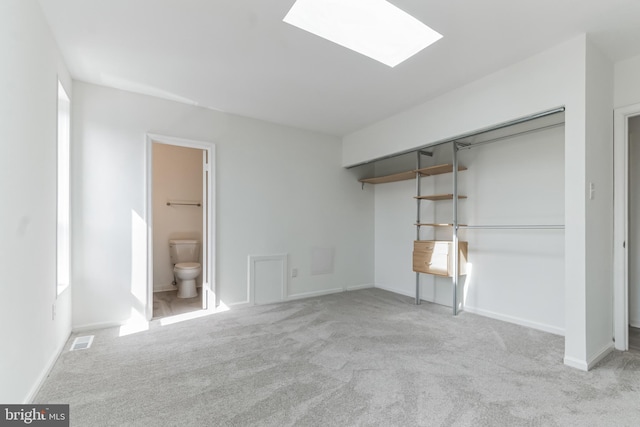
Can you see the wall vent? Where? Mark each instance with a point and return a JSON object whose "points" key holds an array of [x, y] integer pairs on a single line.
{"points": [[82, 343]]}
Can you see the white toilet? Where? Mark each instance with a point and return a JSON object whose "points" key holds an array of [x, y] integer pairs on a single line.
{"points": [[184, 255]]}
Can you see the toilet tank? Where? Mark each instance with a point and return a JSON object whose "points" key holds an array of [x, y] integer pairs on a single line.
{"points": [[184, 251]]}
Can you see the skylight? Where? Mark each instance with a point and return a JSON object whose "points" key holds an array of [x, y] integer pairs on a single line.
{"points": [[374, 28]]}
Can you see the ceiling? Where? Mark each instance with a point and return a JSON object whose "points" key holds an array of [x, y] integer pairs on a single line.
{"points": [[237, 56]]}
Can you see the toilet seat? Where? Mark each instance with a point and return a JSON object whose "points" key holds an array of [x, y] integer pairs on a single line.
{"points": [[187, 265]]}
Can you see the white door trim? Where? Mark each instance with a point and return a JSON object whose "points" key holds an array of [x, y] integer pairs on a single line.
{"points": [[209, 209], [621, 118]]}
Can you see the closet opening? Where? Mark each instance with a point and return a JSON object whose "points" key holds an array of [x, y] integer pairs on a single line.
{"points": [[498, 192]]}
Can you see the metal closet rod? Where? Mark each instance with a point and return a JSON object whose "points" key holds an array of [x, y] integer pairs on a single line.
{"points": [[469, 145], [466, 135], [514, 227]]}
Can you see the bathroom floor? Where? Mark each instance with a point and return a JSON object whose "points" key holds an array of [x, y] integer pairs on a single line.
{"points": [[168, 304]]}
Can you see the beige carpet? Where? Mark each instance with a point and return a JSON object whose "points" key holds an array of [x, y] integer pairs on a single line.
{"points": [[360, 358]]}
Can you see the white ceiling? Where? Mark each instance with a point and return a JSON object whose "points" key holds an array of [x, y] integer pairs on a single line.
{"points": [[239, 57]]}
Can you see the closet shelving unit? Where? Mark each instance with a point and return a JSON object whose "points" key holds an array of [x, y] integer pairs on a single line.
{"points": [[462, 142], [422, 258], [417, 174]]}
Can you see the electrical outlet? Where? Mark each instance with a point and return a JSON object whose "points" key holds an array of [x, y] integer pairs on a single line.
{"points": [[294, 272], [53, 312]]}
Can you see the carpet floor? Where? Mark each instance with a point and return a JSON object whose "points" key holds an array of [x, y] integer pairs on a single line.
{"points": [[362, 358]]}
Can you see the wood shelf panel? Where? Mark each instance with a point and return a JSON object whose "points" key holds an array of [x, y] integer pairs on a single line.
{"points": [[402, 176], [436, 197], [424, 224], [438, 169]]}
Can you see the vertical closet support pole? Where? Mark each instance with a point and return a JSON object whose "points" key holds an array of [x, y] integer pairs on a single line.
{"points": [[456, 258], [418, 166]]}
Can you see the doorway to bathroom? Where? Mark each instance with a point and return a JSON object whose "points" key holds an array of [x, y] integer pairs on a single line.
{"points": [[180, 185]]}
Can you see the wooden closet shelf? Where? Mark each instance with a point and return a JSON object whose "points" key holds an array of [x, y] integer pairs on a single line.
{"points": [[439, 197], [423, 224], [438, 170], [403, 176]]}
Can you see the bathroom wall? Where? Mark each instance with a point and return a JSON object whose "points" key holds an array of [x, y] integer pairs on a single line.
{"points": [[177, 176]]}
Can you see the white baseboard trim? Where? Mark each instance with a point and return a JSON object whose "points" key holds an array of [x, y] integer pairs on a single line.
{"points": [[313, 294], [596, 358], [634, 323], [576, 363], [45, 372], [517, 320], [586, 365], [306, 295], [358, 287], [238, 304], [92, 326], [395, 290], [170, 288]]}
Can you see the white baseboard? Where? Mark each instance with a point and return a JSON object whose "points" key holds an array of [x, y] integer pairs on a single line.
{"points": [[92, 326], [169, 288], [238, 304], [517, 320], [45, 372], [634, 323], [486, 313], [164, 288], [313, 294], [306, 295], [576, 363], [358, 287], [586, 365], [604, 351], [395, 290]]}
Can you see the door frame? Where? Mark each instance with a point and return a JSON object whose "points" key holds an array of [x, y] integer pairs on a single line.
{"points": [[621, 186], [209, 283]]}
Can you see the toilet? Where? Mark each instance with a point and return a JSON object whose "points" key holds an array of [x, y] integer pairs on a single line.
{"points": [[184, 255]]}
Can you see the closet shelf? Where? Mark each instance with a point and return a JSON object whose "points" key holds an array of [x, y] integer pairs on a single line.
{"points": [[436, 197], [424, 224], [404, 176], [438, 170]]}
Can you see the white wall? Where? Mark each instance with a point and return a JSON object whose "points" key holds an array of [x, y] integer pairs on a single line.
{"points": [[599, 206], [537, 84], [279, 190], [627, 82], [573, 75], [634, 224], [177, 176], [31, 339]]}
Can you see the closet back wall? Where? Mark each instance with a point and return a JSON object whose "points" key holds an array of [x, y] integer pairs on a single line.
{"points": [[177, 176], [516, 275]]}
